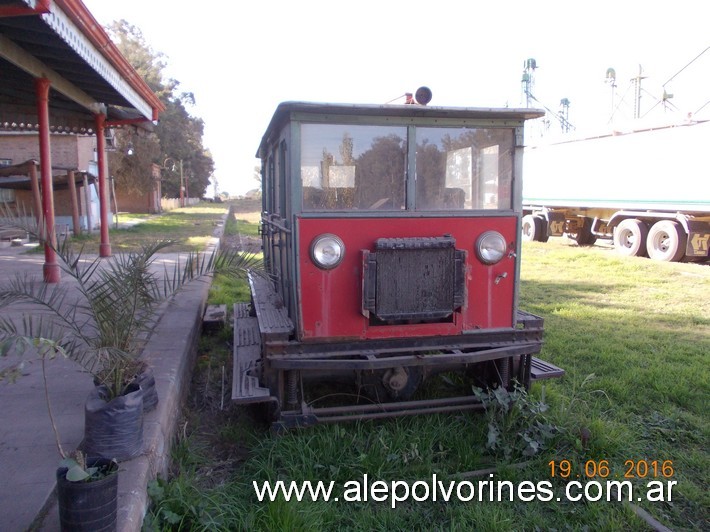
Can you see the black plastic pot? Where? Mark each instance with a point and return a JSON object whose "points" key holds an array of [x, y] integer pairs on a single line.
{"points": [[88, 506], [114, 428], [146, 381]]}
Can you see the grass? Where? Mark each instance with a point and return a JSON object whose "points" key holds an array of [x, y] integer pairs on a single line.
{"points": [[633, 336], [226, 290], [190, 227], [242, 225]]}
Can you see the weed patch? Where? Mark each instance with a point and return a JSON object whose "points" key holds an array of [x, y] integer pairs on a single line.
{"points": [[517, 426], [633, 336]]}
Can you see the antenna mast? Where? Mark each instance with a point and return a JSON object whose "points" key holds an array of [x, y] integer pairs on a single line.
{"points": [[637, 92], [611, 80]]}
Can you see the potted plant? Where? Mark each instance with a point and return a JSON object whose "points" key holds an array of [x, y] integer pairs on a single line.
{"points": [[87, 493], [101, 318], [87, 487]]}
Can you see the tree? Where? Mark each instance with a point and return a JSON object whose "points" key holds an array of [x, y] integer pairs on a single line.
{"points": [[179, 135], [381, 172], [181, 139], [131, 162], [148, 63]]}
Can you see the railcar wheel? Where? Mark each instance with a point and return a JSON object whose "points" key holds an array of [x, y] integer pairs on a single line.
{"points": [[666, 241], [630, 238], [393, 384], [268, 411]]}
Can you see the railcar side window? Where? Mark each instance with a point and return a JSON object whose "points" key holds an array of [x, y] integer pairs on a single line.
{"points": [[464, 168], [346, 167]]}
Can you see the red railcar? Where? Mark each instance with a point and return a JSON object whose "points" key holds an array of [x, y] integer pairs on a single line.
{"points": [[392, 251]]}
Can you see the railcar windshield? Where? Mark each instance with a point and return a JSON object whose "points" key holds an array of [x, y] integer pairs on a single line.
{"points": [[364, 167], [464, 168], [353, 167]]}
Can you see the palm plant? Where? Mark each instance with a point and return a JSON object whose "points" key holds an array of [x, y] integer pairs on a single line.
{"points": [[104, 313], [99, 316]]}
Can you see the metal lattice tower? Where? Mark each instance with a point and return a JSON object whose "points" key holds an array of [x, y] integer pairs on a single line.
{"points": [[564, 115], [528, 80]]}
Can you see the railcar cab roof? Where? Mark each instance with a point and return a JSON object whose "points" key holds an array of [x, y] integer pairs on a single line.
{"points": [[503, 116]]}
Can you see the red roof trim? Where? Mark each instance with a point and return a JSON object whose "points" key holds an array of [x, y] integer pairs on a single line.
{"points": [[15, 11], [80, 15]]}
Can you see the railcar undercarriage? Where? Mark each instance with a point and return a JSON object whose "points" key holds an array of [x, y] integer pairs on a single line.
{"points": [[270, 367]]}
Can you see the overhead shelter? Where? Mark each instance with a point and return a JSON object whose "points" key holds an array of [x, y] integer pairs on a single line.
{"points": [[60, 72], [25, 177]]}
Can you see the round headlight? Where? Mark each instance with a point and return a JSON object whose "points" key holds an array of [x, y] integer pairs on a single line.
{"points": [[327, 251], [490, 247]]}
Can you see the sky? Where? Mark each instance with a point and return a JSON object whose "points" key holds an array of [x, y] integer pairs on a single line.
{"points": [[241, 59]]}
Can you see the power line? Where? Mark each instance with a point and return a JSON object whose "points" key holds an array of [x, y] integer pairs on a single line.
{"points": [[686, 66]]}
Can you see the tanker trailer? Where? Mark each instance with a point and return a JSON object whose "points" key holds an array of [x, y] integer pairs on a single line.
{"points": [[647, 189]]}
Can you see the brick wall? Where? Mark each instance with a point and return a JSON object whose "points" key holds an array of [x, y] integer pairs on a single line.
{"points": [[67, 150], [141, 203]]}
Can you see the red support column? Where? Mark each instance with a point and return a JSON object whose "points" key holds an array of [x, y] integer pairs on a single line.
{"points": [[51, 267], [105, 246]]}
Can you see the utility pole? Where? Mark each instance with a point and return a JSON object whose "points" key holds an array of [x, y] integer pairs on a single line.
{"points": [[182, 178]]}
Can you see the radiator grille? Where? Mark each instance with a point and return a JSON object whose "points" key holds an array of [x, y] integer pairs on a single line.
{"points": [[414, 279]]}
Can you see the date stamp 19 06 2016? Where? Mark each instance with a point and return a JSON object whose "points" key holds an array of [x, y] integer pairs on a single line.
{"points": [[631, 469]]}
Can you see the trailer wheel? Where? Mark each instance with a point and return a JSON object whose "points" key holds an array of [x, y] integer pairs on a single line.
{"points": [[583, 236], [534, 228], [630, 238], [666, 241]]}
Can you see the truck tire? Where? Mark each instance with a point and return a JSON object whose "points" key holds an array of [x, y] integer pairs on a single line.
{"points": [[630, 238], [584, 236], [666, 241], [534, 228], [542, 235]]}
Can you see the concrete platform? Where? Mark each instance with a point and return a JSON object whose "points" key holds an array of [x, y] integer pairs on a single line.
{"points": [[28, 451]]}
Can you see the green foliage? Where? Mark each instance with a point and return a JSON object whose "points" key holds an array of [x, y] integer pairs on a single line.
{"points": [[189, 229], [178, 134], [230, 228], [134, 171], [117, 307], [244, 227], [179, 506], [516, 422], [148, 63], [79, 471], [227, 290], [633, 336]]}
